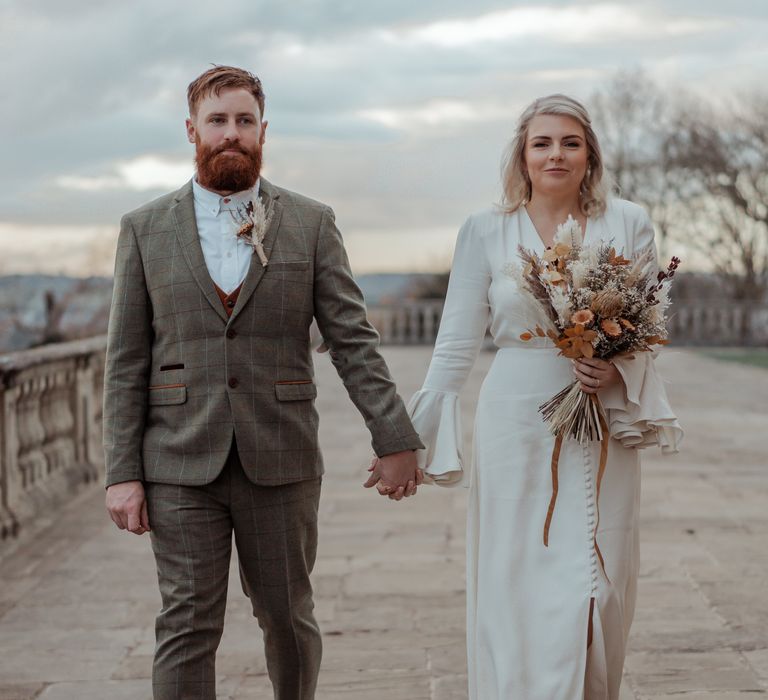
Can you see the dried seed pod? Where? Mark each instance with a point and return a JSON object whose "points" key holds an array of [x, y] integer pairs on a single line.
{"points": [[245, 229], [607, 303]]}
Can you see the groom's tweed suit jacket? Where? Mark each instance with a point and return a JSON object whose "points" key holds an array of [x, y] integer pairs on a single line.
{"points": [[182, 376]]}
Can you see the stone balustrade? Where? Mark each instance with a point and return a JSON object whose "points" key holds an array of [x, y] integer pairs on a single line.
{"points": [[408, 323], [722, 324], [50, 428], [51, 399]]}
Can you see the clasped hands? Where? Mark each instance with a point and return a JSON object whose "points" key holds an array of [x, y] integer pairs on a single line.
{"points": [[395, 475]]}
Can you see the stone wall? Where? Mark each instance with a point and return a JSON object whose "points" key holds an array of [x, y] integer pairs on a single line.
{"points": [[50, 429]]}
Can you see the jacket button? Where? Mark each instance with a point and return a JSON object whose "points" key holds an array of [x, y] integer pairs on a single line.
{"points": [[231, 333], [233, 382]]}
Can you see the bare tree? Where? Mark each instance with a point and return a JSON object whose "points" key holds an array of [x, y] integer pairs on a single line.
{"points": [[51, 331], [698, 171], [634, 119], [723, 156]]}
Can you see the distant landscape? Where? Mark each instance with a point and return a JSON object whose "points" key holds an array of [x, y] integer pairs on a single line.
{"points": [[39, 309], [79, 307]]}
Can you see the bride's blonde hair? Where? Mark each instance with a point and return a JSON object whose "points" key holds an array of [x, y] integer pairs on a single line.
{"points": [[593, 193]]}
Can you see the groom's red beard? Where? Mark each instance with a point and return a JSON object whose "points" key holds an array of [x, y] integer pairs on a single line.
{"points": [[227, 173]]}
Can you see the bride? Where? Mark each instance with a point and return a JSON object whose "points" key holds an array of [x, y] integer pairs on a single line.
{"points": [[543, 623]]}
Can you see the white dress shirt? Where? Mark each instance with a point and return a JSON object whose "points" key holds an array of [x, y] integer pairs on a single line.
{"points": [[226, 256]]}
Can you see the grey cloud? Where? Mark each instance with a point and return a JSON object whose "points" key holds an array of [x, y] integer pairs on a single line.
{"points": [[733, 9], [89, 84]]}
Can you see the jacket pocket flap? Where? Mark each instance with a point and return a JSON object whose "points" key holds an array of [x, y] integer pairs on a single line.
{"points": [[301, 391], [288, 266], [167, 394]]}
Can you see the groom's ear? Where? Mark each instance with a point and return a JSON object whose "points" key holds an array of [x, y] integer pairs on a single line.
{"points": [[190, 130], [263, 136]]}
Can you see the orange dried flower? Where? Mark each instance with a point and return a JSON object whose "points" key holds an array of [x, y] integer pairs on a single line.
{"points": [[539, 331], [583, 316], [627, 324], [617, 260], [576, 342], [611, 328]]}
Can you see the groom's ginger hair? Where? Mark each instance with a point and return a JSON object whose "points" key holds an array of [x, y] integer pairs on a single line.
{"points": [[219, 78]]}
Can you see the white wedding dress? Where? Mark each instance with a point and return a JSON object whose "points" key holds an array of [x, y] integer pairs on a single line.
{"points": [[528, 605]]}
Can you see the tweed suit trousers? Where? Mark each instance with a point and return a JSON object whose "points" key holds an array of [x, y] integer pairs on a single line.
{"points": [[275, 531]]}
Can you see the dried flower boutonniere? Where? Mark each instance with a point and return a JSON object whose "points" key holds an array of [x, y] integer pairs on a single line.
{"points": [[252, 222]]}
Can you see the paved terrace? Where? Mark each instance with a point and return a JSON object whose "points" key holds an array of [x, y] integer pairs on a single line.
{"points": [[77, 601]]}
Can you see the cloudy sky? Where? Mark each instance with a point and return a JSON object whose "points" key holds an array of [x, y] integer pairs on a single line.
{"points": [[396, 113]]}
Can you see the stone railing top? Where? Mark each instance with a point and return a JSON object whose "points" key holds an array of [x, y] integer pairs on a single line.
{"points": [[13, 362], [414, 303]]}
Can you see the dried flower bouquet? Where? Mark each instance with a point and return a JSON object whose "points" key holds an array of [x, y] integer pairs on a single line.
{"points": [[590, 301]]}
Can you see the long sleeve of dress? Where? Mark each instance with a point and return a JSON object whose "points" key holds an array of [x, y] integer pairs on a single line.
{"points": [[639, 414], [434, 410]]}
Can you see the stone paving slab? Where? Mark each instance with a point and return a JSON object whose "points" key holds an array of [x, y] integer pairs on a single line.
{"points": [[77, 602]]}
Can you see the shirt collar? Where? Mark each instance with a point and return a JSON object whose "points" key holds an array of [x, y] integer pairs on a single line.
{"points": [[215, 203]]}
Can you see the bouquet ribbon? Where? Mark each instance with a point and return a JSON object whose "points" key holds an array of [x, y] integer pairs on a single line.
{"points": [[600, 471]]}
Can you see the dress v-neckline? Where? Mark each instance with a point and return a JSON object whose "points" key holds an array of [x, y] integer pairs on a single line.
{"points": [[536, 233]]}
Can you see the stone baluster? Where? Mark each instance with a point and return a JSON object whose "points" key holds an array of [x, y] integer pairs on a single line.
{"points": [[31, 460], [432, 323], [88, 415], [698, 331], [9, 468], [398, 319], [411, 324], [383, 325], [58, 418]]}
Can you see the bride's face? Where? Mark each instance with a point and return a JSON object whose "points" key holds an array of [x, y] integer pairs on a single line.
{"points": [[556, 155]]}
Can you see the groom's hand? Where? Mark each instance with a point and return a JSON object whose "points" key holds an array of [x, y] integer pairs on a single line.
{"points": [[395, 475], [127, 506]]}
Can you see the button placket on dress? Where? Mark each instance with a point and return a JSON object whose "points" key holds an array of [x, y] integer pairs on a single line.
{"points": [[591, 519]]}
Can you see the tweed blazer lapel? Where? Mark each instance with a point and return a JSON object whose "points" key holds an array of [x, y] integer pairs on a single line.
{"points": [[183, 213], [270, 198]]}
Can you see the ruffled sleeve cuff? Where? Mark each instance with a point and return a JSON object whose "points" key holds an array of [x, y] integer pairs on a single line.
{"points": [[639, 414], [437, 419]]}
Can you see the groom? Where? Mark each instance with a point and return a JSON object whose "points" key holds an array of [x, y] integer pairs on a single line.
{"points": [[209, 419]]}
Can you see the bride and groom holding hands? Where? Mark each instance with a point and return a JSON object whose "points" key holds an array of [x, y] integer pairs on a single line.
{"points": [[210, 426]]}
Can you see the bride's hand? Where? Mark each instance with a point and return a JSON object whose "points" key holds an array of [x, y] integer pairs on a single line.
{"points": [[394, 493], [595, 374]]}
